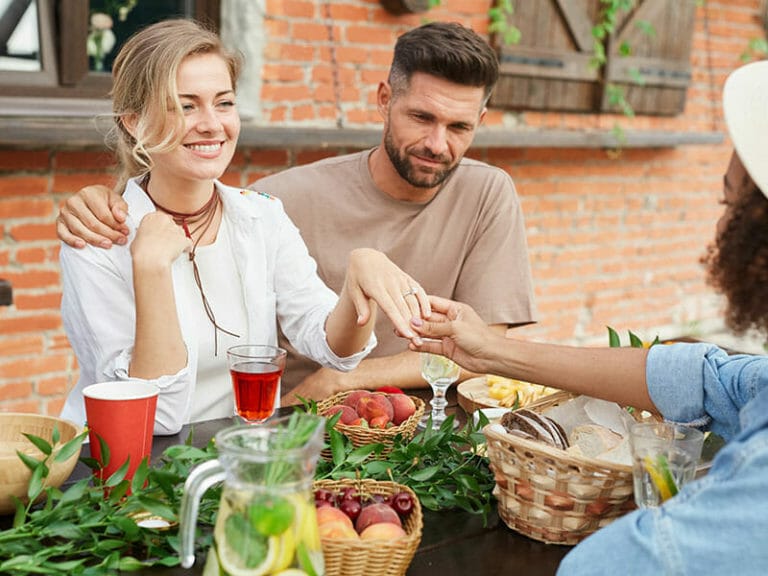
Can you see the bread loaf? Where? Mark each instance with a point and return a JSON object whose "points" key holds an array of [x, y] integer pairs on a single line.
{"points": [[591, 440], [528, 424]]}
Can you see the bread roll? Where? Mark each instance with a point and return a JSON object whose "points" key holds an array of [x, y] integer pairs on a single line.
{"points": [[593, 440]]}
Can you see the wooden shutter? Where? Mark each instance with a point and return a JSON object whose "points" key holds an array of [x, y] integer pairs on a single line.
{"points": [[549, 69], [662, 59]]}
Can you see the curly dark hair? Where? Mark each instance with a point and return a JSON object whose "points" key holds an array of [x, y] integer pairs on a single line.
{"points": [[447, 50], [737, 262]]}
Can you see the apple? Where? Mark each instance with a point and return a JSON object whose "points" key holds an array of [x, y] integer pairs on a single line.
{"points": [[374, 514], [383, 531], [403, 408]]}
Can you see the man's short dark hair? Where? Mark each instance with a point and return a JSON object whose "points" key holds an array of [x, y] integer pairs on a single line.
{"points": [[446, 50]]}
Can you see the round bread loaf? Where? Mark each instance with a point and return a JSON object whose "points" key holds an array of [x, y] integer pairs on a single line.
{"points": [[528, 424]]}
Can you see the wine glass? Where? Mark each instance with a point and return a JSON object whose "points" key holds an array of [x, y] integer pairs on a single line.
{"points": [[256, 371], [440, 372]]}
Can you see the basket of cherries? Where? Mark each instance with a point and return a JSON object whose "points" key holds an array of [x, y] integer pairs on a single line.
{"points": [[367, 527]]}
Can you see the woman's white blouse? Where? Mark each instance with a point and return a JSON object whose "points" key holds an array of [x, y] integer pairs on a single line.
{"points": [[276, 274]]}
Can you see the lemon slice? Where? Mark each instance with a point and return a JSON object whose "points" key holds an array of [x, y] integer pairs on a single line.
{"points": [[292, 572], [240, 550], [660, 477], [284, 558]]}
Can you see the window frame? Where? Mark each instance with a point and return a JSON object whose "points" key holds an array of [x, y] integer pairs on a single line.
{"points": [[63, 29]]}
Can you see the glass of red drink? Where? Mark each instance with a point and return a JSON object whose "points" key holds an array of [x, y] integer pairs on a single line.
{"points": [[256, 370]]}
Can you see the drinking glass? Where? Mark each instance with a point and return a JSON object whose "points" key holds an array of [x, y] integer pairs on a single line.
{"points": [[664, 458], [256, 370], [440, 373]]}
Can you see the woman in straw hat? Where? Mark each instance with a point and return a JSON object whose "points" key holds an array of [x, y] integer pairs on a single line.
{"points": [[207, 266], [715, 525]]}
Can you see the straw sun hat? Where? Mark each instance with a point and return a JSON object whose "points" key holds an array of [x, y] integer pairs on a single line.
{"points": [[745, 107]]}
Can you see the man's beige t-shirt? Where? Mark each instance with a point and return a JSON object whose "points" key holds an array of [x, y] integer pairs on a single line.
{"points": [[467, 243]]}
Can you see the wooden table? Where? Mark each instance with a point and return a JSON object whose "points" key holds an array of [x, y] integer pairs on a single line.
{"points": [[454, 543]]}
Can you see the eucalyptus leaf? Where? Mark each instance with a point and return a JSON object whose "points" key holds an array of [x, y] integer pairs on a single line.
{"points": [[29, 461], [43, 445], [70, 448]]}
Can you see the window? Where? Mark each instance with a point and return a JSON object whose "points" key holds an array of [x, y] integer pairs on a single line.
{"points": [[64, 48]]}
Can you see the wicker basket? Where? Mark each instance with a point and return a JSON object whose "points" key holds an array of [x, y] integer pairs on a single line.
{"points": [[345, 557], [550, 495], [360, 436]]}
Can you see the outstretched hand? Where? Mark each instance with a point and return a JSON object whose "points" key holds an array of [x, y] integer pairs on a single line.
{"points": [[94, 215], [456, 331], [371, 276]]}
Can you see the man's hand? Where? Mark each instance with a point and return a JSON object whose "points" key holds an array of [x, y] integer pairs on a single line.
{"points": [[94, 215], [317, 386]]}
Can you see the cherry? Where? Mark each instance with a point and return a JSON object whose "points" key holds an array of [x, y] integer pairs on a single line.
{"points": [[351, 508], [402, 502], [349, 493], [323, 496]]}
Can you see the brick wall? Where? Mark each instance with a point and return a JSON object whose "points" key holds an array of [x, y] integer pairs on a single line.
{"points": [[614, 239]]}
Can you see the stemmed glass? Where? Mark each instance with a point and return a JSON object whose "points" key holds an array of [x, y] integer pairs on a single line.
{"points": [[256, 372], [440, 373]]}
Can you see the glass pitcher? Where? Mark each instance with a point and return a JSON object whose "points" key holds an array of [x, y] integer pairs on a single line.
{"points": [[266, 523]]}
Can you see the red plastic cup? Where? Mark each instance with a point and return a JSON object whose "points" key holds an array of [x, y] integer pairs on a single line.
{"points": [[122, 414]]}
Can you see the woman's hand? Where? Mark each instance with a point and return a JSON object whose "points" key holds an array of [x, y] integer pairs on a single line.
{"points": [[158, 242], [371, 276], [456, 331]]}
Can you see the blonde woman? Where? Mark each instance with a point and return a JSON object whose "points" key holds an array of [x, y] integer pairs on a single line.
{"points": [[206, 266]]}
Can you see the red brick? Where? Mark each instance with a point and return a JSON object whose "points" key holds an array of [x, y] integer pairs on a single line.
{"points": [[278, 158], [311, 32], [23, 406], [361, 34], [24, 160], [54, 406], [52, 386], [31, 255], [28, 232], [26, 367], [23, 186], [21, 346], [70, 183], [25, 324], [26, 208], [32, 278], [83, 160], [15, 390], [37, 301]]}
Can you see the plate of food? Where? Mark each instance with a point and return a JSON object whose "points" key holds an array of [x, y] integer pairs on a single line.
{"points": [[491, 391]]}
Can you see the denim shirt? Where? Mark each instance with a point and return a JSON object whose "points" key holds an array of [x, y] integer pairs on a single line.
{"points": [[719, 523]]}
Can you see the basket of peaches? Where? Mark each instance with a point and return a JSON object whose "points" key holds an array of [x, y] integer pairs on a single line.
{"points": [[367, 527], [367, 417]]}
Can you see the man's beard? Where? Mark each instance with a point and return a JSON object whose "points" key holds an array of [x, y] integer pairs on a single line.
{"points": [[406, 170]]}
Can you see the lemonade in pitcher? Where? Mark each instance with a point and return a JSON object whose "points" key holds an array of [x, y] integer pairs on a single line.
{"points": [[266, 522]]}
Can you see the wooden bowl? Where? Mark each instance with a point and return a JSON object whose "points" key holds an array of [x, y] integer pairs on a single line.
{"points": [[14, 474]]}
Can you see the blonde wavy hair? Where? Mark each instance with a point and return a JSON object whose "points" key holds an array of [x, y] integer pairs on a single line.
{"points": [[144, 90]]}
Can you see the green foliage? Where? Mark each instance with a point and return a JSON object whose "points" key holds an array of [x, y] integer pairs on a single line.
{"points": [[90, 529], [757, 49], [445, 468], [614, 340]]}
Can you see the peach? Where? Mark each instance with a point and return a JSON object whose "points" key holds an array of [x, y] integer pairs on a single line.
{"points": [[381, 422], [375, 514], [354, 396], [337, 530], [348, 414], [403, 408], [373, 406], [383, 531], [330, 515]]}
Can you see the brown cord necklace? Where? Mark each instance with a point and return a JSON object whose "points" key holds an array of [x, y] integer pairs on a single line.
{"points": [[192, 223]]}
